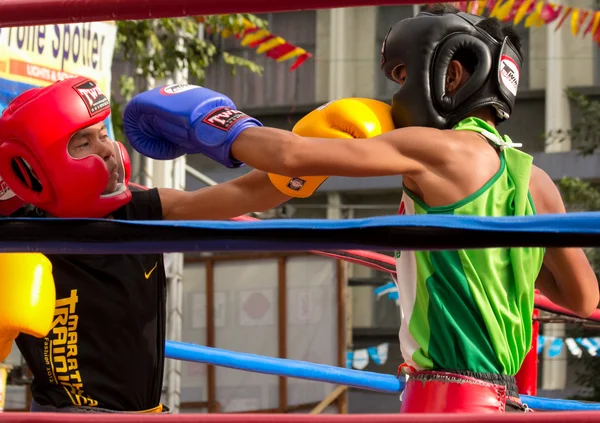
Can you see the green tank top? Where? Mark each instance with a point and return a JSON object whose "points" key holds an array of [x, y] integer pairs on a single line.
{"points": [[472, 309]]}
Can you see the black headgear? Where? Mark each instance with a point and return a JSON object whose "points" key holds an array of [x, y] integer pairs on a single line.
{"points": [[426, 44]]}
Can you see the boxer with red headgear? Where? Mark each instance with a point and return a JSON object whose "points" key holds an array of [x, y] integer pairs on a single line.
{"points": [[41, 165], [105, 351]]}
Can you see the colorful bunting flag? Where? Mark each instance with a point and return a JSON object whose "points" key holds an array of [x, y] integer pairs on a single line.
{"points": [[264, 41], [555, 345], [534, 14], [359, 359]]}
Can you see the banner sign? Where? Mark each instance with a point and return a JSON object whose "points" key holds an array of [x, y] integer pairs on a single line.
{"points": [[36, 56]]}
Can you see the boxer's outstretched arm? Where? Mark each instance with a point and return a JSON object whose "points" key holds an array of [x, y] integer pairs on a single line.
{"points": [[252, 192], [407, 151]]}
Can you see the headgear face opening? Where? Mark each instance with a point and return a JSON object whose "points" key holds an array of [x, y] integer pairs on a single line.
{"points": [[35, 130], [426, 44]]}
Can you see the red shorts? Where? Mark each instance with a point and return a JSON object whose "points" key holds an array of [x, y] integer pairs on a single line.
{"points": [[444, 392]]}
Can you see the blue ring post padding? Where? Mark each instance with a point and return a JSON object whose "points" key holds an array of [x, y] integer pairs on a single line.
{"points": [[331, 374], [283, 367]]}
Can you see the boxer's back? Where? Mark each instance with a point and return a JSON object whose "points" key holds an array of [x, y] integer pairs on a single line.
{"points": [[481, 297]]}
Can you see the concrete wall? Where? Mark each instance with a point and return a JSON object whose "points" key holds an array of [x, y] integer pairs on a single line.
{"points": [[578, 59]]}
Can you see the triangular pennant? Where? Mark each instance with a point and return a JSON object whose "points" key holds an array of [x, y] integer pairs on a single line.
{"points": [[382, 351], [540, 343], [500, 4], [590, 24], [513, 11], [360, 360], [261, 41], [595, 342], [575, 21], [254, 36], [535, 20], [589, 346], [296, 52], [550, 12], [523, 10], [280, 50], [374, 355], [301, 59], [349, 359], [385, 289], [477, 7], [490, 4], [573, 347], [269, 44], [503, 12], [582, 17], [564, 18], [555, 347]]}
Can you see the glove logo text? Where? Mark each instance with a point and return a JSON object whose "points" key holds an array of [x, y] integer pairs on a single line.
{"points": [[93, 97], [223, 118], [296, 184], [176, 88], [5, 192]]}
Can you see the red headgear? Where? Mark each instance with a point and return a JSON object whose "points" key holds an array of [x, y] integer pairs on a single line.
{"points": [[35, 130]]}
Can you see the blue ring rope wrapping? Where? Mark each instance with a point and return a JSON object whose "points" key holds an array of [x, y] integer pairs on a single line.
{"points": [[282, 367], [383, 233], [325, 373]]}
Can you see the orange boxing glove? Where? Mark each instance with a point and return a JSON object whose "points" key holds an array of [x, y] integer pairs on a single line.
{"points": [[345, 118], [27, 297]]}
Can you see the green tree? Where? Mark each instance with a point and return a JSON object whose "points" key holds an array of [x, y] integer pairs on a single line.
{"points": [[585, 138], [161, 47], [579, 195]]}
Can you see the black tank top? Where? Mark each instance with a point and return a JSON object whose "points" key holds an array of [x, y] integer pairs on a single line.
{"points": [[106, 347]]}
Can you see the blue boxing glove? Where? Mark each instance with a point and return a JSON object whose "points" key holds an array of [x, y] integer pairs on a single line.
{"points": [[173, 120]]}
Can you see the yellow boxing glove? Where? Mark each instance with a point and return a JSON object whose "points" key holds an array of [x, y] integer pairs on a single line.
{"points": [[345, 118], [27, 297]]}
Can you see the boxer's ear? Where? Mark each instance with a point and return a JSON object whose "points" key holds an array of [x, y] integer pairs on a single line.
{"points": [[455, 76]]}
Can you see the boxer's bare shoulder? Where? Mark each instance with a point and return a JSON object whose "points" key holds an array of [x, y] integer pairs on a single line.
{"points": [[456, 164], [545, 194]]}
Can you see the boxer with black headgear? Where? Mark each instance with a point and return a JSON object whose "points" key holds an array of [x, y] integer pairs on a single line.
{"points": [[450, 43], [466, 314]]}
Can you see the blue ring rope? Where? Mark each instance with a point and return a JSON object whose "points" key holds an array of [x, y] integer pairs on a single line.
{"points": [[325, 373]]}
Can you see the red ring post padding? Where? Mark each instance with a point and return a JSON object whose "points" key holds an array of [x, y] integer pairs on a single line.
{"points": [[527, 376]]}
